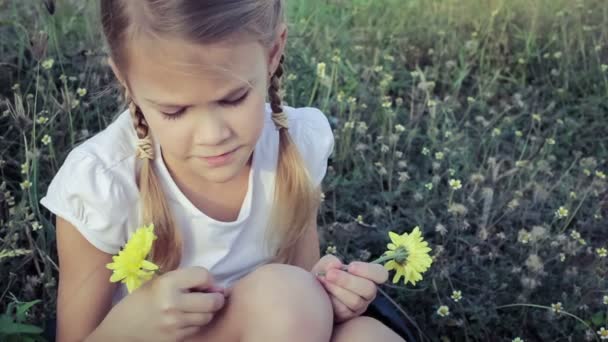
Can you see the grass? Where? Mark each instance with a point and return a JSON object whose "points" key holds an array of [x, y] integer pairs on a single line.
{"points": [[508, 97]]}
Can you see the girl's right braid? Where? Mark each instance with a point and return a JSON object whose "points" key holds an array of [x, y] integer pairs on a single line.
{"points": [[145, 148]]}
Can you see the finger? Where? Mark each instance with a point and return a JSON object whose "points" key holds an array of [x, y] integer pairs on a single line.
{"points": [[361, 286], [184, 333], [197, 278], [341, 311], [351, 300], [199, 302], [196, 319], [327, 262], [374, 272]]}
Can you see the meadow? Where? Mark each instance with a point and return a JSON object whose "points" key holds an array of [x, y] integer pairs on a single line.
{"points": [[484, 123]]}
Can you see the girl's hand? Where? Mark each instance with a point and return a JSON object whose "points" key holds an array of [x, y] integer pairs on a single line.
{"points": [[171, 307], [351, 287]]}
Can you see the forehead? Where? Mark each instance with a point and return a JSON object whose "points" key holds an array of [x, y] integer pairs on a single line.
{"points": [[155, 66]]}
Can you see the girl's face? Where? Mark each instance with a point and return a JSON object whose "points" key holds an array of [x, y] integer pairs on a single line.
{"points": [[198, 104]]}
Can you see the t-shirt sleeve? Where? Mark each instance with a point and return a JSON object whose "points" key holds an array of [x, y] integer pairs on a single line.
{"points": [[314, 138], [92, 198]]}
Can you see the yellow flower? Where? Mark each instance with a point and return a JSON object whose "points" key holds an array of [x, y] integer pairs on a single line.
{"points": [[130, 265], [409, 256]]}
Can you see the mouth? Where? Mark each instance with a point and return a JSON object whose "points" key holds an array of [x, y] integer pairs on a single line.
{"points": [[220, 159]]}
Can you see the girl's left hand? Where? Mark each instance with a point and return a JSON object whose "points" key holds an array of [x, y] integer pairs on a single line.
{"points": [[351, 287]]}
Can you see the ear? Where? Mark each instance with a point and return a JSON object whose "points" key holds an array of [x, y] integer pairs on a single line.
{"points": [[278, 48]]}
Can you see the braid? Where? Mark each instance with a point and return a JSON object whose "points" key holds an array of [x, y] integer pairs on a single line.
{"points": [[294, 199], [166, 251], [278, 116], [145, 148]]}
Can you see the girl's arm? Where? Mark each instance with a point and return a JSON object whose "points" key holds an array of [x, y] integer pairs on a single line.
{"points": [[85, 292], [307, 252]]}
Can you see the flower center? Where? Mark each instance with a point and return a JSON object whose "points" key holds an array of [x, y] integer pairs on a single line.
{"points": [[401, 255]]}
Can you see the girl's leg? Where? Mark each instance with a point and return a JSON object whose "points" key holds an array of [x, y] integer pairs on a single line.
{"points": [[273, 303], [364, 329]]}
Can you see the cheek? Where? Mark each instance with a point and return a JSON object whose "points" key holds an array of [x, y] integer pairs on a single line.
{"points": [[248, 123], [172, 135]]}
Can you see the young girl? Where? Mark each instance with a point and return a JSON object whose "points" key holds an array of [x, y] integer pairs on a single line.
{"points": [[230, 182]]}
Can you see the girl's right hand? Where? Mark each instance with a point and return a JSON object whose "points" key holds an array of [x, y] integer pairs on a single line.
{"points": [[171, 307]]}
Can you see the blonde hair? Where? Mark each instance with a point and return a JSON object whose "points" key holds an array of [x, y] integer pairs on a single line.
{"points": [[211, 21]]}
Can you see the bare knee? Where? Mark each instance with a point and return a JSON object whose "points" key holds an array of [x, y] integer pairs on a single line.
{"points": [[364, 329], [287, 300]]}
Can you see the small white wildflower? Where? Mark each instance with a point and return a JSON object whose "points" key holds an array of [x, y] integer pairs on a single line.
{"points": [[456, 295], [439, 155], [443, 311], [331, 250], [517, 339], [425, 151], [551, 141], [556, 307], [46, 139], [361, 127], [42, 120], [429, 186], [36, 226], [384, 148], [441, 229], [455, 184], [575, 235], [321, 70], [48, 63], [403, 177], [523, 236], [399, 128], [561, 212], [81, 92], [605, 300], [26, 184]]}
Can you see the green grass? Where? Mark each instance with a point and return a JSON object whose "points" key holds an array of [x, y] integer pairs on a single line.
{"points": [[507, 96]]}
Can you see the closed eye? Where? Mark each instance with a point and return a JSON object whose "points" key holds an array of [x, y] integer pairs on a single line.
{"points": [[174, 115], [234, 102]]}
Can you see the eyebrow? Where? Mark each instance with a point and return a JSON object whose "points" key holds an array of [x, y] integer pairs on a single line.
{"points": [[230, 94]]}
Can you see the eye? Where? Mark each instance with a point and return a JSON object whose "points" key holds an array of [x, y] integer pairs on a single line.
{"points": [[174, 115], [234, 102]]}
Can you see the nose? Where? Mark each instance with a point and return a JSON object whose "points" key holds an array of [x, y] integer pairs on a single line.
{"points": [[211, 129]]}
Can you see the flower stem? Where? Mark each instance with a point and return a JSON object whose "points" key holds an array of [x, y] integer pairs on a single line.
{"points": [[388, 257]]}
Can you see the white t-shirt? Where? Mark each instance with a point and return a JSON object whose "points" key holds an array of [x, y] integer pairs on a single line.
{"points": [[96, 191]]}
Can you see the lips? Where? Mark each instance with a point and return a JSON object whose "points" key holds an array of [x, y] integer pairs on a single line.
{"points": [[221, 159]]}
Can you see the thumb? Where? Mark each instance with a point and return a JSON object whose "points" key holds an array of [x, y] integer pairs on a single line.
{"points": [[326, 263]]}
